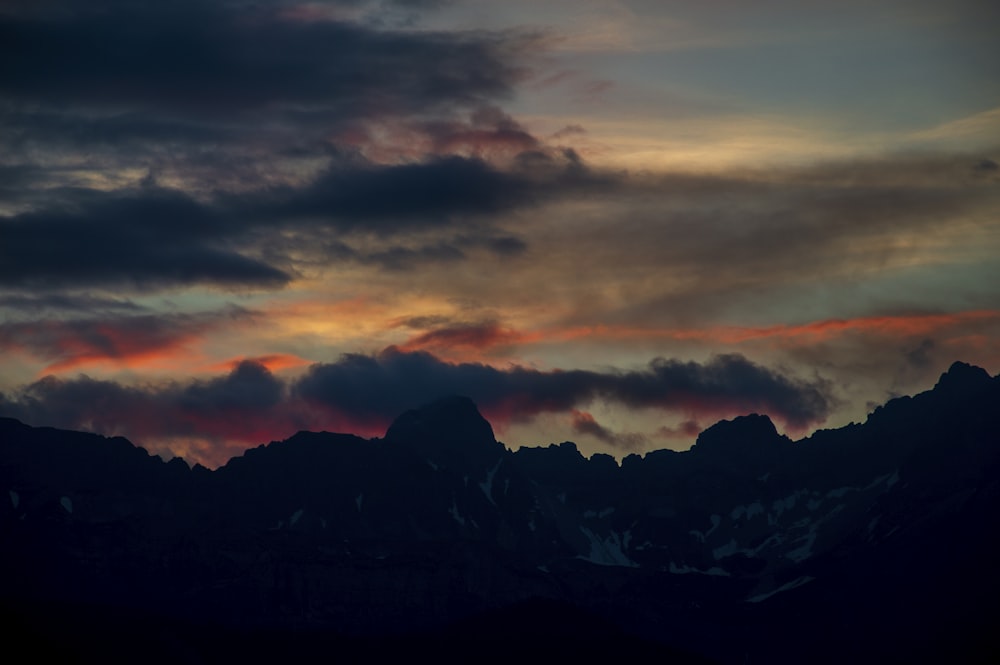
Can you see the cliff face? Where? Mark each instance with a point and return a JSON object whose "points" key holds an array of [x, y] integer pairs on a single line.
{"points": [[748, 544]]}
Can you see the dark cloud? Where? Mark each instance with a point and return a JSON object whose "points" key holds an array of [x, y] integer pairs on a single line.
{"points": [[223, 415], [219, 58], [142, 238], [386, 255], [212, 87], [728, 382], [150, 237], [249, 387], [364, 393], [378, 387], [55, 302], [268, 121], [407, 258], [390, 198], [241, 96], [986, 166], [466, 194], [500, 245], [115, 130], [82, 403]]}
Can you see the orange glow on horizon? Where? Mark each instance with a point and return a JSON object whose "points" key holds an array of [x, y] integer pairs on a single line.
{"points": [[273, 362]]}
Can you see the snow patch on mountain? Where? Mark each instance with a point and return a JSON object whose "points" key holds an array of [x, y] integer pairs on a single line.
{"points": [[701, 536], [781, 506], [686, 569], [487, 485], [454, 513], [805, 579], [804, 551], [751, 511], [590, 514], [607, 551]]}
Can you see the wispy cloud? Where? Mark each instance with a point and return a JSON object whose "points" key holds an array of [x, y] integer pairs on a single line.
{"points": [[126, 341]]}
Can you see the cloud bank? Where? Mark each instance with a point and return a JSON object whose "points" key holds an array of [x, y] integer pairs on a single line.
{"points": [[364, 393]]}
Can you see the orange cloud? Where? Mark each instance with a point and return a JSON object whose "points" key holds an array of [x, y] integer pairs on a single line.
{"points": [[273, 362], [146, 341], [132, 341], [467, 341], [825, 330], [349, 319], [891, 326]]}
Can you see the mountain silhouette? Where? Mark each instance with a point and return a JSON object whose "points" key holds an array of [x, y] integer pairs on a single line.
{"points": [[872, 542], [450, 430]]}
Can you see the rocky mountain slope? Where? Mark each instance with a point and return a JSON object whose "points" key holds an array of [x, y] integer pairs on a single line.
{"points": [[872, 542]]}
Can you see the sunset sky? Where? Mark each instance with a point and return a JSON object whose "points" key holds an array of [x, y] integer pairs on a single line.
{"points": [[612, 222]]}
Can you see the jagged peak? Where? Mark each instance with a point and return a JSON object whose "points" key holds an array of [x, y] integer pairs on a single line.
{"points": [[752, 426], [451, 424], [739, 435], [961, 376]]}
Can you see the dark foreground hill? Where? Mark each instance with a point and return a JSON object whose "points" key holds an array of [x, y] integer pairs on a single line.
{"points": [[871, 543]]}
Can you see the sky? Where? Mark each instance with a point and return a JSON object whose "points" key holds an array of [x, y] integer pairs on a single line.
{"points": [[612, 222]]}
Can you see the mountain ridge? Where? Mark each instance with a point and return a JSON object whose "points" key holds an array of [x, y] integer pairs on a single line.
{"points": [[960, 378], [748, 533]]}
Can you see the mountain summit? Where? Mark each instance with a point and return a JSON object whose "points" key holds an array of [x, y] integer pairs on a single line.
{"points": [[963, 377], [450, 429]]}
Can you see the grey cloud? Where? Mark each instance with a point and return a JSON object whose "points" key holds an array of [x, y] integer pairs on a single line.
{"points": [[148, 237], [210, 57], [987, 165], [214, 92], [435, 193], [145, 239], [750, 237], [584, 423], [66, 302]]}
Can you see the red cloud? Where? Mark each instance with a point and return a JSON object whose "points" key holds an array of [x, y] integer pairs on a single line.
{"points": [[126, 341], [466, 341], [891, 326], [273, 362]]}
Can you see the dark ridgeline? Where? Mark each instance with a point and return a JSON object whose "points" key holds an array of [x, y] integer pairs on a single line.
{"points": [[870, 543]]}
